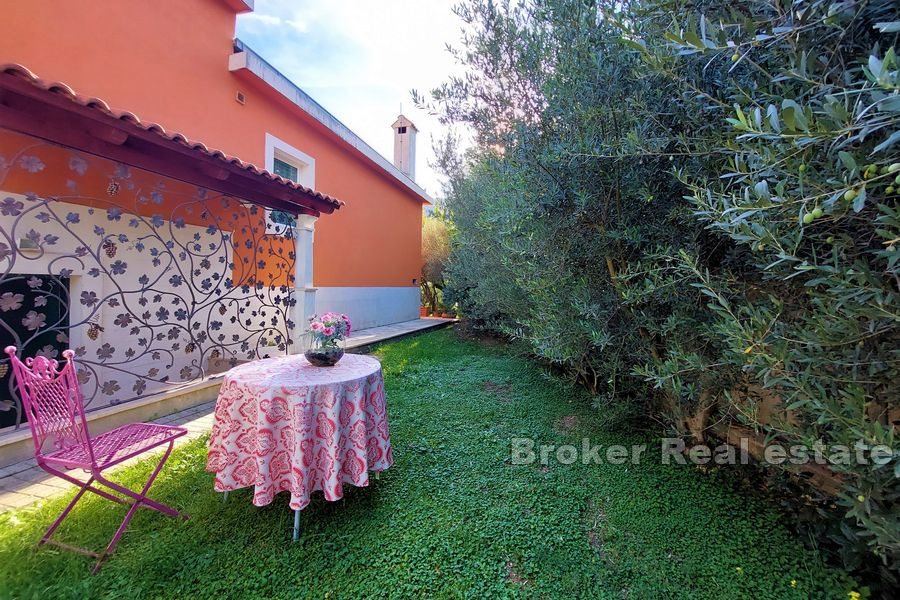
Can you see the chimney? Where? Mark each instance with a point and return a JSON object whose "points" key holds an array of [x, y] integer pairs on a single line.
{"points": [[405, 146]]}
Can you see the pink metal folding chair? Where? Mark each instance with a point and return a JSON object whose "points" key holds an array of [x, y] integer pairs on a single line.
{"points": [[55, 411]]}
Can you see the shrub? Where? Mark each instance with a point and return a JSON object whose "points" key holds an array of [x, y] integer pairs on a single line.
{"points": [[435, 253], [706, 204], [804, 190]]}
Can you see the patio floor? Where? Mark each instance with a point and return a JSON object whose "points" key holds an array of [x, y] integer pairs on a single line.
{"points": [[23, 483]]}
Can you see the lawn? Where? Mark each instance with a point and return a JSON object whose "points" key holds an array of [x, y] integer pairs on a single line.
{"points": [[452, 518]]}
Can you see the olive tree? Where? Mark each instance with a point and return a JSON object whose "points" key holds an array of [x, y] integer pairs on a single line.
{"points": [[692, 208]]}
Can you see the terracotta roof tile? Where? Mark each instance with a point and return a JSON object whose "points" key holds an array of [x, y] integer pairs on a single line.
{"points": [[98, 104]]}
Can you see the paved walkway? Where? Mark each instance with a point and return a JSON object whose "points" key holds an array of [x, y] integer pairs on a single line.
{"points": [[366, 337], [23, 484]]}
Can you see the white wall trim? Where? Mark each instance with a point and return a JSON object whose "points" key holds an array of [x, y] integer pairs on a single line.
{"points": [[370, 306], [306, 164], [304, 292]]}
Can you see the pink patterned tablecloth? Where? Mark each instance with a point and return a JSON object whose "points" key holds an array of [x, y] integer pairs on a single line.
{"points": [[282, 424]]}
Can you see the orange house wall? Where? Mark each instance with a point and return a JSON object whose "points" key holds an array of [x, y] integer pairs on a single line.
{"points": [[178, 201], [167, 62]]}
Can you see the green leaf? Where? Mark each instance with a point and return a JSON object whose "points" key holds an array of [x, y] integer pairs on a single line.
{"points": [[787, 113], [796, 404], [848, 160], [694, 40], [772, 113], [673, 37], [875, 66], [740, 114], [737, 124], [798, 118], [633, 44], [860, 201]]}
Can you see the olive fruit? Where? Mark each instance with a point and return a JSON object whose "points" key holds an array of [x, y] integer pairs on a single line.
{"points": [[808, 218], [817, 213], [850, 195]]}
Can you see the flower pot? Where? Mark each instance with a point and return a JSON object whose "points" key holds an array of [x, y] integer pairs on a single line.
{"points": [[423, 312], [324, 357], [444, 315]]}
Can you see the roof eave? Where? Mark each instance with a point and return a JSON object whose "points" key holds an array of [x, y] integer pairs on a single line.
{"points": [[240, 6], [53, 112]]}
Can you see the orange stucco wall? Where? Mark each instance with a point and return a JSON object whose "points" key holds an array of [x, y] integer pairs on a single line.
{"points": [[167, 61], [257, 257]]}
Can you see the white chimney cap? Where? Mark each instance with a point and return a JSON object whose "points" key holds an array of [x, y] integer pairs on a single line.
{"points": [[402, 121]]}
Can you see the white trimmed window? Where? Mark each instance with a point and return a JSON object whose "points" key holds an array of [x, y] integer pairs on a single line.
{"points": [[286, 161], [286, 170]]}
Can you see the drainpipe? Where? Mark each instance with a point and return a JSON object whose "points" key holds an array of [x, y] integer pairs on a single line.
{"points": [[304, 291]]}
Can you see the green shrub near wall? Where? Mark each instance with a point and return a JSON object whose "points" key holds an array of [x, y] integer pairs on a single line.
{"points": [[698, 199]]}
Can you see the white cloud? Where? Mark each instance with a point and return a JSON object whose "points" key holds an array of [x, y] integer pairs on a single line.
{"points": [[360, 60], [262, 19], [299, 24]]}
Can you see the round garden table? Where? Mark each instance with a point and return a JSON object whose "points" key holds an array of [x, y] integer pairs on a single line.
{"points": [[282, 424]]}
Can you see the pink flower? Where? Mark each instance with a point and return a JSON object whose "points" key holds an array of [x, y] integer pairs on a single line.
{"points": [[331, 325]]}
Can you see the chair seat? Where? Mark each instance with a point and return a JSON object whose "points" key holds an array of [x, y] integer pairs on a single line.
{"points": [[117, 445]]}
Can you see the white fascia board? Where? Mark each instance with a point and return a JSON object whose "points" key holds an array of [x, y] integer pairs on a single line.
{"points": [[245, 58]]}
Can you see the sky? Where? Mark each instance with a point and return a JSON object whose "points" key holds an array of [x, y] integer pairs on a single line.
{"points": [[359, 59]]}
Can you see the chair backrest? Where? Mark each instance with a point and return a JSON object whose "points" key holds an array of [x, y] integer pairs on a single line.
{"points": [[52, 401]]}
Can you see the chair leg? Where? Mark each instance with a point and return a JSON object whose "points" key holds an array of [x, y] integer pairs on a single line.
{"points": [[115, 539], [85, 486], [140, 499]]}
